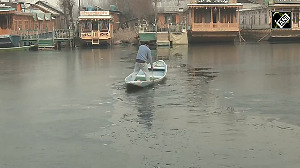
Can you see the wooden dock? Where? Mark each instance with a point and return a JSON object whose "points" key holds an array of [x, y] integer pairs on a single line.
{"points": [[47, 40]]}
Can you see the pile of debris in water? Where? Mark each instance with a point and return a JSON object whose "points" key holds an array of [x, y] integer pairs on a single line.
{"points": [[206, 72]]}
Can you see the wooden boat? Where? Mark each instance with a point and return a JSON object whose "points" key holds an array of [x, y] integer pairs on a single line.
{"points": [[157, 75]]}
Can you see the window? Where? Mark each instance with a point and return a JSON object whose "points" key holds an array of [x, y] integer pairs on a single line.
{"points": [[170, 18], [266, 19], [104, 25], [20, 25]]}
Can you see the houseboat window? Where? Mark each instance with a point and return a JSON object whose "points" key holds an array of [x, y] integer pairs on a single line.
{"points": [[20, 25], [86, 26], [207, 16], [266, 19], [95, 25], [104, 25], [3, 22], [36, 26], [26, 25], [170, 18], [222, 15], [215, 15], [295, 17], [16, 26]]}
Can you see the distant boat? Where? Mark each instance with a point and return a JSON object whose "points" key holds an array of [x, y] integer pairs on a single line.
{"points": [[157, 75]]}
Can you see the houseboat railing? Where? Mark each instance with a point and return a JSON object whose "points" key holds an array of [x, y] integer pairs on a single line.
{"points": [[95, 35], [63, 34], [86, 35], [170, 28], [146, 28], [296, 26], [43, 34], [215, 27], [220, 1], [29, 34]]}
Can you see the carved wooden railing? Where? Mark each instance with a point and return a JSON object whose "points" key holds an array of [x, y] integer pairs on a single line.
{"points": [[215, 27], [63, 34], [213, 1], [95, 35], [296, 26], [29, 34]]}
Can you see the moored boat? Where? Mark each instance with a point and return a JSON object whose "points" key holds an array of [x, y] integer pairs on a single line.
{"points": [[7, 41], [157, 75], [23, 48]]}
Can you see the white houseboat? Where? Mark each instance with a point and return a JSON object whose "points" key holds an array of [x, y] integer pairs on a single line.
{"points": [[95, 27]]}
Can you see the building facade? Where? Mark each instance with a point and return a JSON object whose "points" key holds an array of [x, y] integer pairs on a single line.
{"points": [[258, 23], [213, 20]]}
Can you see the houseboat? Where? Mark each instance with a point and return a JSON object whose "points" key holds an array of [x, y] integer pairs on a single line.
{"points": [[95, 27], [12, 20], [260, 22], [213, 20], [18, 22]]}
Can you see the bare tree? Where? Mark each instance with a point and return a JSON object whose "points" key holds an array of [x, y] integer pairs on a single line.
{"points": [[67, 6], [71, 4], [141, 8], [135, 8]]}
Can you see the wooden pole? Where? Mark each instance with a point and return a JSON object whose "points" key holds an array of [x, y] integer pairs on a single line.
{"points": [[219, 15], [155, 16], [79, 7], [211, 17], [192, 21]]}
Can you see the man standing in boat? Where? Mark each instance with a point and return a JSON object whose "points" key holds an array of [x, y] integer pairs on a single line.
{"points": [[143, 55]]}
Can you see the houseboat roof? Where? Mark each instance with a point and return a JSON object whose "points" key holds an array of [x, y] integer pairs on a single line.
{"points": [[47, 6], [217, 5], [172, 6], [285, 5], [4, 8], [86, 17], [287, 1], [47, 9], [251, 6], [23, 14]]}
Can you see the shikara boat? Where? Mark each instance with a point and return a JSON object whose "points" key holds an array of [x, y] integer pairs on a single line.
{"points": [[157, 75]]}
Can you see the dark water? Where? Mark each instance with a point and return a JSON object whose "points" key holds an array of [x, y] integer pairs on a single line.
{"points": [[71, 109]]}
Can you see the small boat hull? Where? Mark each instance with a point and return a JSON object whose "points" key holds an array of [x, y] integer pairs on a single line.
{"points": [[156, 76], [23, 48], [7, 41]]}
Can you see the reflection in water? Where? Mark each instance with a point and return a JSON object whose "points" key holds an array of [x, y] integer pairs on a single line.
{"points": [[209, 56], [50, 99], [143, 101], [206, 72], [163, 53], [95, 57]]}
